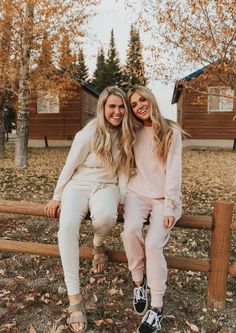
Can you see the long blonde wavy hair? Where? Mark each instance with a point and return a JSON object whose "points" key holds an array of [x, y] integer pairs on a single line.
{"points": [[102, 143], [162, 128]]}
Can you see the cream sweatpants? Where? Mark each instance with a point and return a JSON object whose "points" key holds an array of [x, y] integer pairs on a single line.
{"points": [[102, 202], [136, 211]]}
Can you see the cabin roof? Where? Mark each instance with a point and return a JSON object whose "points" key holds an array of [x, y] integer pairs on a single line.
{"points": [[87, 87], [179, 84]]}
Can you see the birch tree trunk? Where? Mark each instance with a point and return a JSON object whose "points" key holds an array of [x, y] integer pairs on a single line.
{"points": [[22, 132], [5, 52], [2, 128]]}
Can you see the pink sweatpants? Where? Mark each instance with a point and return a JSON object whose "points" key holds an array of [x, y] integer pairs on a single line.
{"points": [[136, 212]]}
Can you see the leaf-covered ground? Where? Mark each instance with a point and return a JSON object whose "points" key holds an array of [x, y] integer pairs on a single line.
{"points": [[32, 290]]}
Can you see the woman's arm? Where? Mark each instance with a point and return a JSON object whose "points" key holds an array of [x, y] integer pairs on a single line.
{"points": [[80, 148], [173, 174], [123, 184]]}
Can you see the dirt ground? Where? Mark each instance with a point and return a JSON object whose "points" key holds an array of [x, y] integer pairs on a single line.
{"points": [[32, 291]]}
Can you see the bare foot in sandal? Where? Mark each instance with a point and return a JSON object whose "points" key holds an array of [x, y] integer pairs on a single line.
{"points": [[77, 320], [100, 259]]}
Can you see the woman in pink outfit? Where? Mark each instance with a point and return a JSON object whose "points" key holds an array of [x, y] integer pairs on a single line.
{"points": [[154, 194]]}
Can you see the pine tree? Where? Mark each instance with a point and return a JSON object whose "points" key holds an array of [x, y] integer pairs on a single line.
{"points": [[45, 58], [114, 71], [45, 74], [66, 58], [45, 78], [134, 69], [80, 69], [99, 81]]}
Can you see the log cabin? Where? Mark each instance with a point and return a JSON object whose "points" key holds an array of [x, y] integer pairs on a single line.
{"points": [[204, 111], [54, 122]]}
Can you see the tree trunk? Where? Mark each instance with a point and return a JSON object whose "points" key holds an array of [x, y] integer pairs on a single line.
{"points": [[22, 131], [2, 128]]}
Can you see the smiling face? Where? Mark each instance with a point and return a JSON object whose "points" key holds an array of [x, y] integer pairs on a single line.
{"points": [[114, 110], [141, 108]]}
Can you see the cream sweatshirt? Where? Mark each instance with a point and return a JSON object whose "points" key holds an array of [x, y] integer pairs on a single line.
{"points": [[83, 166], [153, 178]]}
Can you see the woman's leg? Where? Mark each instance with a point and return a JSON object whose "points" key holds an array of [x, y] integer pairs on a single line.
{"points": [[136, 210], [73, 210], [136, 213], [103, 206], [156, 239]]}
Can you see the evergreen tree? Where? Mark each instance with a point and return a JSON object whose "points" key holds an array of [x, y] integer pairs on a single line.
{"points": [[134, 68], [66, 58], [114, 71], [99, 81], [45, 57], [45, 76], [80, 69]]}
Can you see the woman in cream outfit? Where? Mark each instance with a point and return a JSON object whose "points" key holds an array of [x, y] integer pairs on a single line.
{"points": [[93, 179]]}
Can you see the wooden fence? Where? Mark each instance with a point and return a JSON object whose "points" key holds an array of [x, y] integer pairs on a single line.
{"points": [[218, 265]]}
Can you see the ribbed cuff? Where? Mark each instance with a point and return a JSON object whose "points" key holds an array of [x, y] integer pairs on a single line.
{"points": [[56, 198], [156, 300], [137, 275], [168, 211]]}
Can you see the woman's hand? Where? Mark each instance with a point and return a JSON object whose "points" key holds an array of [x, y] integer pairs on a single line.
{"points": [[52, 208], [169, 221]]}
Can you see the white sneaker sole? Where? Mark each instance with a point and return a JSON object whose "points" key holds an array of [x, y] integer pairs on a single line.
{"points": [[156, 331]]}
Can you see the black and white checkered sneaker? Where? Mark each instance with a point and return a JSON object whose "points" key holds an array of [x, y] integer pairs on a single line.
{"points": [[151, 322], [140, 300]]}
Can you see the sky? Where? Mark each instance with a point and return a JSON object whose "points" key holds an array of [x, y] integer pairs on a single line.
{"points": [[112, 14]]}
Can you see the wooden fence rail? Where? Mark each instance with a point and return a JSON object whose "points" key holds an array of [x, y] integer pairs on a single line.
{"points": [[218, 266]]}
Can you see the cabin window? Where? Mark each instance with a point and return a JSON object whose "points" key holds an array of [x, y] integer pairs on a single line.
{"points": [[47, 102], [220, 99]]}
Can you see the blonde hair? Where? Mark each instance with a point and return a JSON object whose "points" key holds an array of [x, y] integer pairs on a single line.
{"points": [[162, 128], [102, 143]]}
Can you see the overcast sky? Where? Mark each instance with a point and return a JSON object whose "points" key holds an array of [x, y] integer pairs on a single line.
{"points": [[111, 14]]}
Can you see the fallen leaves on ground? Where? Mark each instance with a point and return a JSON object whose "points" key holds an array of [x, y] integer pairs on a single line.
{"points": [[33, 295]]}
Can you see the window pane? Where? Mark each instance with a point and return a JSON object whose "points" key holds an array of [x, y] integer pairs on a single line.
{"points": [[213, 103], [42, 102], [53, 103], [226, 103], [47, 102], [217, 100]]}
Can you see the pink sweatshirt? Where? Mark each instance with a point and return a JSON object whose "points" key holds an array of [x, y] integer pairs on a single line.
{"points": [[155, 179]]}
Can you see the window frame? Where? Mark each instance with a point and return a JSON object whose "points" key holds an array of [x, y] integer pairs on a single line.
{"points": [[47, 98], [221, 98]]}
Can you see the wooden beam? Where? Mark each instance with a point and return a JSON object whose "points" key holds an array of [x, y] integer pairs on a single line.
{"points": [[35, 209], [195, 222], [22, 207], [233, 226], [220, 254], [232, 269], [200, 265], [188, 264]]}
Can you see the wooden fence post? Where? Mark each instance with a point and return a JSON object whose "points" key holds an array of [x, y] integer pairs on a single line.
{"points": [[219, 254]]}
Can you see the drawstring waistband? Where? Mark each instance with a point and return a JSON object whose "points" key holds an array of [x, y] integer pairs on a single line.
{"points": [[99, 186]]}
